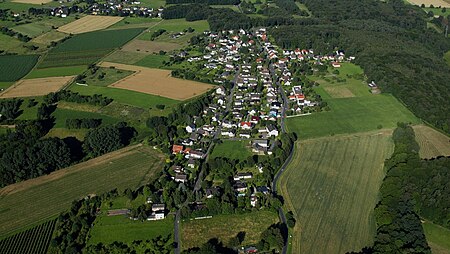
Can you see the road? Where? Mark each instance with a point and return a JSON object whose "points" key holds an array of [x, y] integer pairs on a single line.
{"points": [[177, 233], [283, 96]]}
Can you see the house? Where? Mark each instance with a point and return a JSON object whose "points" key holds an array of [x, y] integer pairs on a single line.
{"points": [[156, 216], [254, 119], [180, 178], [191, 163], [272, 130], [242, 176], [211, 192], [158, 207], [178, 169], [263, 189], [228, 133], [177, 149], [260, 143], [246, 125], [190, 128], [197, 155], [240, 187], [245, 134]]}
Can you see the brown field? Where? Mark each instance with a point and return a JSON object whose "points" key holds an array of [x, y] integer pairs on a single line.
{"points": [[88, 24], [149, 46], [31, 1], [338, 92], [432, 143], [48, 37], [36, 87], [436, 3], [157, 82]]}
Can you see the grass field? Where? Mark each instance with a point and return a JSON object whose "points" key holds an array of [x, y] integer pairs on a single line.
{"points": [[149, 46], [36, 87], [33, 201], [124, 57], [176, 25], [41, 26], [432, 143], [88, 24], [56, 72], [86, 48], [110, 76], [332, 185], [11, 45], [14, 67], [62, 114], [195, 233], [153, 61], [4, 85], [232, 150], [64, 133], [108, 229], [48, 37], [437, 237]]}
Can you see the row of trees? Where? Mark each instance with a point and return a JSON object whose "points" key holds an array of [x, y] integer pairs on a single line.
{"points": [[209, 2], [69, 96], [12, 33], [83, 123], [10, 109]]}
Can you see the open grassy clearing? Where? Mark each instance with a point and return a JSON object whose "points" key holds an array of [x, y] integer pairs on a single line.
{"points": [[106, 76], [33, 201], [432, 142], [88, 24], [56, 72], [332, 185], [350, 115], [29, 113], [195, 233], [14, 67], [41, 26], [437, 237], [134, 22], [233, 7], [4, 85], [36, 87], [232, 150], [108, 229], [125, 57], [158, 82]]}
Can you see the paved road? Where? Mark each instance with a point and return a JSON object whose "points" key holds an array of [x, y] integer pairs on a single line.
{"points": [[177, 233]]}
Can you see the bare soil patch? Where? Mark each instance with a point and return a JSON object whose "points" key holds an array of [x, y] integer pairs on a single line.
{"points": [[88, 24], [157, 82], [31, 1], [36, 87], [435, 3], [432, 143], [149, 46], [339, 92]]}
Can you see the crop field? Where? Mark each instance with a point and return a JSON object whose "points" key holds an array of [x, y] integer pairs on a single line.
{"points": [[432, 143], [48, 37], [125, 57], [194, 233], [88, 24], [14, 67], [437, 237], [232, 150], [36, 87], [158, 82], [56, 72], [332, 186], [154, 61], [149, 46], [87, 48], [34, 240], [427, 3], [108, 229], [33, 201]]}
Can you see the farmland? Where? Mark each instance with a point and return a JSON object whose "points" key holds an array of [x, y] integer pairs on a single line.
{"points": [[36, 87], [56, 72], [149, 46], [106, 76], [88, 24], [232, 150], [437, 237], [195, 233], [34, 240], [432, 143], [33, 201], [84, 49], [11, 45], [62, 115], [14, 67], [41, 26], [332, 185], [176, 25], [153, 61], [48, 37], [427, 3], [124, 57], [32, 1], [158, 82]]}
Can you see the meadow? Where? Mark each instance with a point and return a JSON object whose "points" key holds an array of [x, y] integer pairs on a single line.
{"points": [[14, 67], [232, 150], [34, 240], [30, 202], [86, 48], [195, 233], [153, 61], [176, 25], [437, 237], [11, 45], [42, 25], [56, 72], [62, 114], [432, 142], [125, 57], [106, 76], [332, 186]]}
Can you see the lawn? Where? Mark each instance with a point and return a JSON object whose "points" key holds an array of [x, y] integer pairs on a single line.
{"points": [[332, 186], [56, 72], [437, 237], [195, 233], [351, 115], [108, 229], [232, 150], [33, 201]]}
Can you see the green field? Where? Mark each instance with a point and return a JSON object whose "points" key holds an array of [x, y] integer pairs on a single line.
{"points": [[194, 233], [108, 229], [56, 72], [42, 25], [62, 114], [153, 61], [4, 85], [437, 237], [176, 25], [110, 75], [87, 48], [11, 45], [124, 57], [232, 150], [332, 186], [33, 201], [14, 67], [34, 240]]}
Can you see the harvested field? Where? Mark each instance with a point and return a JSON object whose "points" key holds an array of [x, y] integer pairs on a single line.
{"points": [[432, 143], [157, 82], [435, 3], [332, 187], [36, 87], [31, 1], [48, 37], [88, 24], [339, 91], [149, 46]]}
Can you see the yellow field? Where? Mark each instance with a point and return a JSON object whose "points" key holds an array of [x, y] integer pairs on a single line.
{"points": [[149, 46], [157, 82], [332, 186], [36, 87], [29, 202], [32, 1], [427, 3], [432, 143], [88, 24]]}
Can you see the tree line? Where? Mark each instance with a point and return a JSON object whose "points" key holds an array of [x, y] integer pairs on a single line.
{"points": [[69, 96], [208, 2], [83, 123]]}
